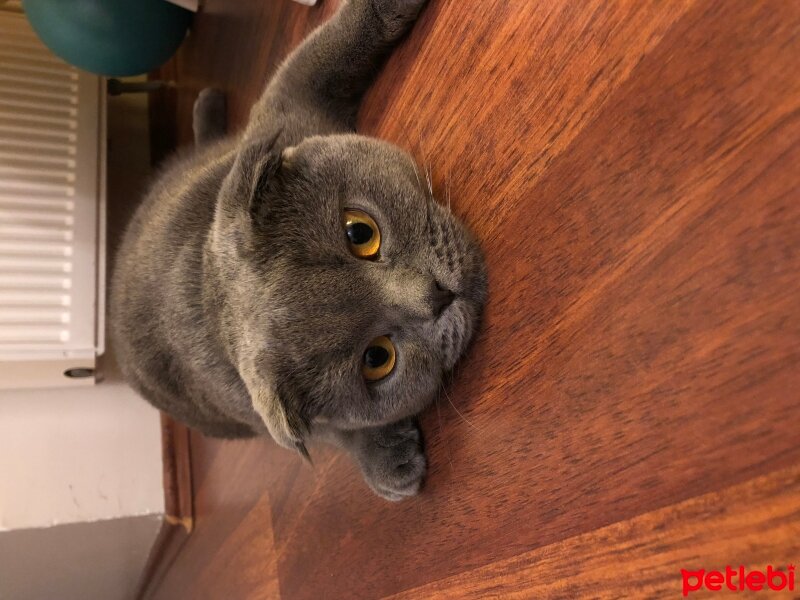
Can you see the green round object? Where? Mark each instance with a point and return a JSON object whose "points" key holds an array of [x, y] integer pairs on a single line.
{"points": [[110, 37]]}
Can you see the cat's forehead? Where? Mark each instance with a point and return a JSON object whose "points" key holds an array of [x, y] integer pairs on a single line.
{"points": [[357, 165], [325, 300]]}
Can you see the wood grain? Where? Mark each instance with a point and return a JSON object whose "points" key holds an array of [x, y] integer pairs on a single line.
{"points": [[213, 573], [630, 169], [643, 557]]}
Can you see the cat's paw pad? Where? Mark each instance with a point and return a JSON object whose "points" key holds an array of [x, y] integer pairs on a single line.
{"points": [[394, 462]]}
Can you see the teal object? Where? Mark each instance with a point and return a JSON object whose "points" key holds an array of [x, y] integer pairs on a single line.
{"points": [[115, 38]]}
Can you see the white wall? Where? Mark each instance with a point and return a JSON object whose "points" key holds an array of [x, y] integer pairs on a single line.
{"points": [[75, 455]]}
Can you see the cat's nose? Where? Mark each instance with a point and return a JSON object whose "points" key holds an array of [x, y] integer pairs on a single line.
{"points": [[440, 298]]}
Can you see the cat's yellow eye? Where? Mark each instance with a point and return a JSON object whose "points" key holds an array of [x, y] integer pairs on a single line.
{"points": [[378, 360], [363, 234]]}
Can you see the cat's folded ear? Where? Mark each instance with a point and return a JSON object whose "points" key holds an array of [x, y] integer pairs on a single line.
{"points": [[253, 174], [285, 429]]}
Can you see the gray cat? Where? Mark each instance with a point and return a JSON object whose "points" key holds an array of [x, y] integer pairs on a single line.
{"points": [[298, 279]]}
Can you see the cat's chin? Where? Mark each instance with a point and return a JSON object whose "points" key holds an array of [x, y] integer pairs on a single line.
{"points": [[456, 327]]}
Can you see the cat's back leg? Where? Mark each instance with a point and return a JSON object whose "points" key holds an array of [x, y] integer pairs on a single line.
{"points": [[209, 117]]}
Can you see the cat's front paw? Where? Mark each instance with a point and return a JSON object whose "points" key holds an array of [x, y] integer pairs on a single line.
{"points": [[393, 460], [397, 15]]}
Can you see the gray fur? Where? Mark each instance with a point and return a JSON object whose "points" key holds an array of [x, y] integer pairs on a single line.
{"points": [[236, 305]]}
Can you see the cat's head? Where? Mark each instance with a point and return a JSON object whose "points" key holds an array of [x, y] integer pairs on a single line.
{"points": [[351, 290]]}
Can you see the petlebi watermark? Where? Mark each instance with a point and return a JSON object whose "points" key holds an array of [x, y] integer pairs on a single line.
{"points": [[739, 579]]}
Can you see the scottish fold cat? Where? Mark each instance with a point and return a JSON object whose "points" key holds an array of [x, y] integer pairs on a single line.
{"points": [[298, 280]]}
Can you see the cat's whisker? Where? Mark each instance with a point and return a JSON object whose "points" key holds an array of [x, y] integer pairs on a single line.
{"points": [[403, 131], [441, 429], [465, 419], [428, 175], [447, 184], [419, 144], [452, 374], [425, 162], [414, 162], [416, 174], [413, 148]]}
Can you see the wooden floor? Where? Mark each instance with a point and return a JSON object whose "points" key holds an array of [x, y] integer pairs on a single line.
{"points": [[632, 405]]}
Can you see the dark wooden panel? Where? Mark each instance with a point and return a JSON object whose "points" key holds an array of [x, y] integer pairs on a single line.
{"points": [[175, 442], [631, 170]]}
